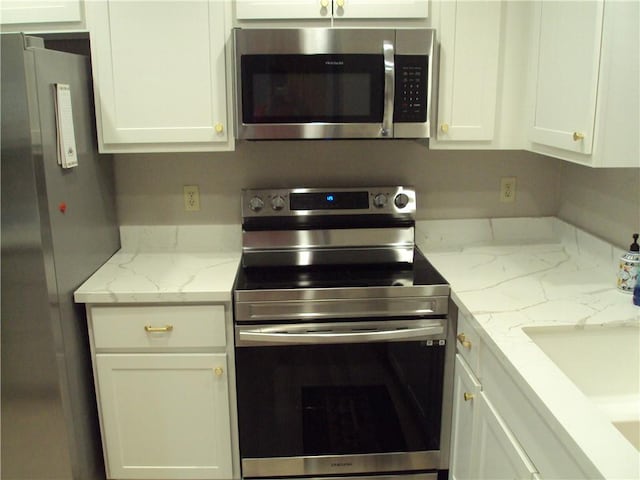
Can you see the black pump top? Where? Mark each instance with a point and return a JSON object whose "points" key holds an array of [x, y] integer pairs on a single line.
{"points": [[634, 247]]}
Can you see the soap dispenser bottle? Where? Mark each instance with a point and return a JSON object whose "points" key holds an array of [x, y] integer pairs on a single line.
{"points": [[629, 267]]}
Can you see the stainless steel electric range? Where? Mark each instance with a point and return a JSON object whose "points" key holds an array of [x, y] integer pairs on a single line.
{"points": [[344, 338]]}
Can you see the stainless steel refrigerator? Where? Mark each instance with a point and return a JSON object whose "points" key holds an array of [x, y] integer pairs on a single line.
{"points": [[58, 227]]}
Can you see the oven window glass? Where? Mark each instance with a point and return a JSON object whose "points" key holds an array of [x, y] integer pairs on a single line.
{"points": [[307, 400], [312, 88]]}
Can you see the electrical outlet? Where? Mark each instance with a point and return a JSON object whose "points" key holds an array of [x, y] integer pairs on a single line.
{"points": [[191, 198], [508, 189]]}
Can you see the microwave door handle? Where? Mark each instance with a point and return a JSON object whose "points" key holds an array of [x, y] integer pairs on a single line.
{"points": [[389, 89]]}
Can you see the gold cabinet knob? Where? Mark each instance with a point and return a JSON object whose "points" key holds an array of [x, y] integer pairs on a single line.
{"points": [[218, 371], [444, 127], [577, 136], [468, 396], [219, 128], [150, 329], [324, 3], [462, 338], [340, 3]]}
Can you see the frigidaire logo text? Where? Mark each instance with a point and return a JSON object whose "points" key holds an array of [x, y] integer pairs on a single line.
{"points": [[341, 464], [333, 62]]}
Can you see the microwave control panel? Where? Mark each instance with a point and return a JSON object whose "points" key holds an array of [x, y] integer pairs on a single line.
{"points": [[411, 89]]}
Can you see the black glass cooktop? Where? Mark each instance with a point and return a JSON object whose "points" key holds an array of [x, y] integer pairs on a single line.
{"points": [[420, 272]]}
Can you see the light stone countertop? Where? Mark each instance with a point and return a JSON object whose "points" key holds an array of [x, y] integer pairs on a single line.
{"points": [[161, 278], [509, 274], [167, 264]]}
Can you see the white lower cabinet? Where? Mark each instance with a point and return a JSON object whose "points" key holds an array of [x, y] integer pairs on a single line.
{"points": [[483, 448], [165, 415], [497, 431], [162, 384], [466, 389], [497, 454]]}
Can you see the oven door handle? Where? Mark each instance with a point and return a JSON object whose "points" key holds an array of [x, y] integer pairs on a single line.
{"points": [[295, 335]]}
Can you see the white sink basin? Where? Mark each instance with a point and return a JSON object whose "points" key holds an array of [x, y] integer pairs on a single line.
{"points": [[604, 363]]}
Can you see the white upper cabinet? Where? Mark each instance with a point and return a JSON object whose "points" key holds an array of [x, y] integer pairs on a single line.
{"points": [[380, 9], [586, 72], [315, 9], [41, 15], [160, 75], [469, 53], [483, 66], [282, 9], [567, 74]]}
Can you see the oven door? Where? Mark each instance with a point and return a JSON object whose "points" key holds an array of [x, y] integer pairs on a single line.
{"points": [[337, 398]]}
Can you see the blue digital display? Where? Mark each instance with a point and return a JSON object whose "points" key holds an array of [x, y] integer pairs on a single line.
{"points": [[329, 201]]}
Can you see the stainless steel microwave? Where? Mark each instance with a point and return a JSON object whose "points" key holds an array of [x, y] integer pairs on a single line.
{"points": [[321, 83]]}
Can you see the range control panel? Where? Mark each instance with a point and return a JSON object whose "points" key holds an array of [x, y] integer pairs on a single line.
{"points": [[328, 201]]}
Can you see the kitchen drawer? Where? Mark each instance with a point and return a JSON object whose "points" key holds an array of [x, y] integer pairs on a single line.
{"points": [[154, 327], [468, 342]]}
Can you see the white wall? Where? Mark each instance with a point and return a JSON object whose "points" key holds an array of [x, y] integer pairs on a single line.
{"points": [[449, 184], [603, 201]]}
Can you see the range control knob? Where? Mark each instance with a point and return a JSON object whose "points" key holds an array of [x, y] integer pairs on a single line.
{"points": [[277, 202], [401, 200], [380, 200], [256, 204]]}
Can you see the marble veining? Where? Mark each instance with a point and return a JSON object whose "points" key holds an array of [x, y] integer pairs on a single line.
{"points": [[181, 238], [161, 277]]}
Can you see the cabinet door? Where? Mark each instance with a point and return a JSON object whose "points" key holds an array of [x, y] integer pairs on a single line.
{"points": [[618, 109], [309, 9], [282, 9], [159, 71], [567, 68], [497, 454], [466, 389], [165, 416], [380, 9], [40, 11], [469, 52]]}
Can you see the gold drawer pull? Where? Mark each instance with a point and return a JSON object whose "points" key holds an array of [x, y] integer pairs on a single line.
{"points": [[150, 329], [218, 371], [463, 340], [468, 396], [578, 136]]}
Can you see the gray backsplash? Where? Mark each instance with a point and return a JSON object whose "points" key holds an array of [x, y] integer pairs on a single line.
{"points": [[450, 184]]}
